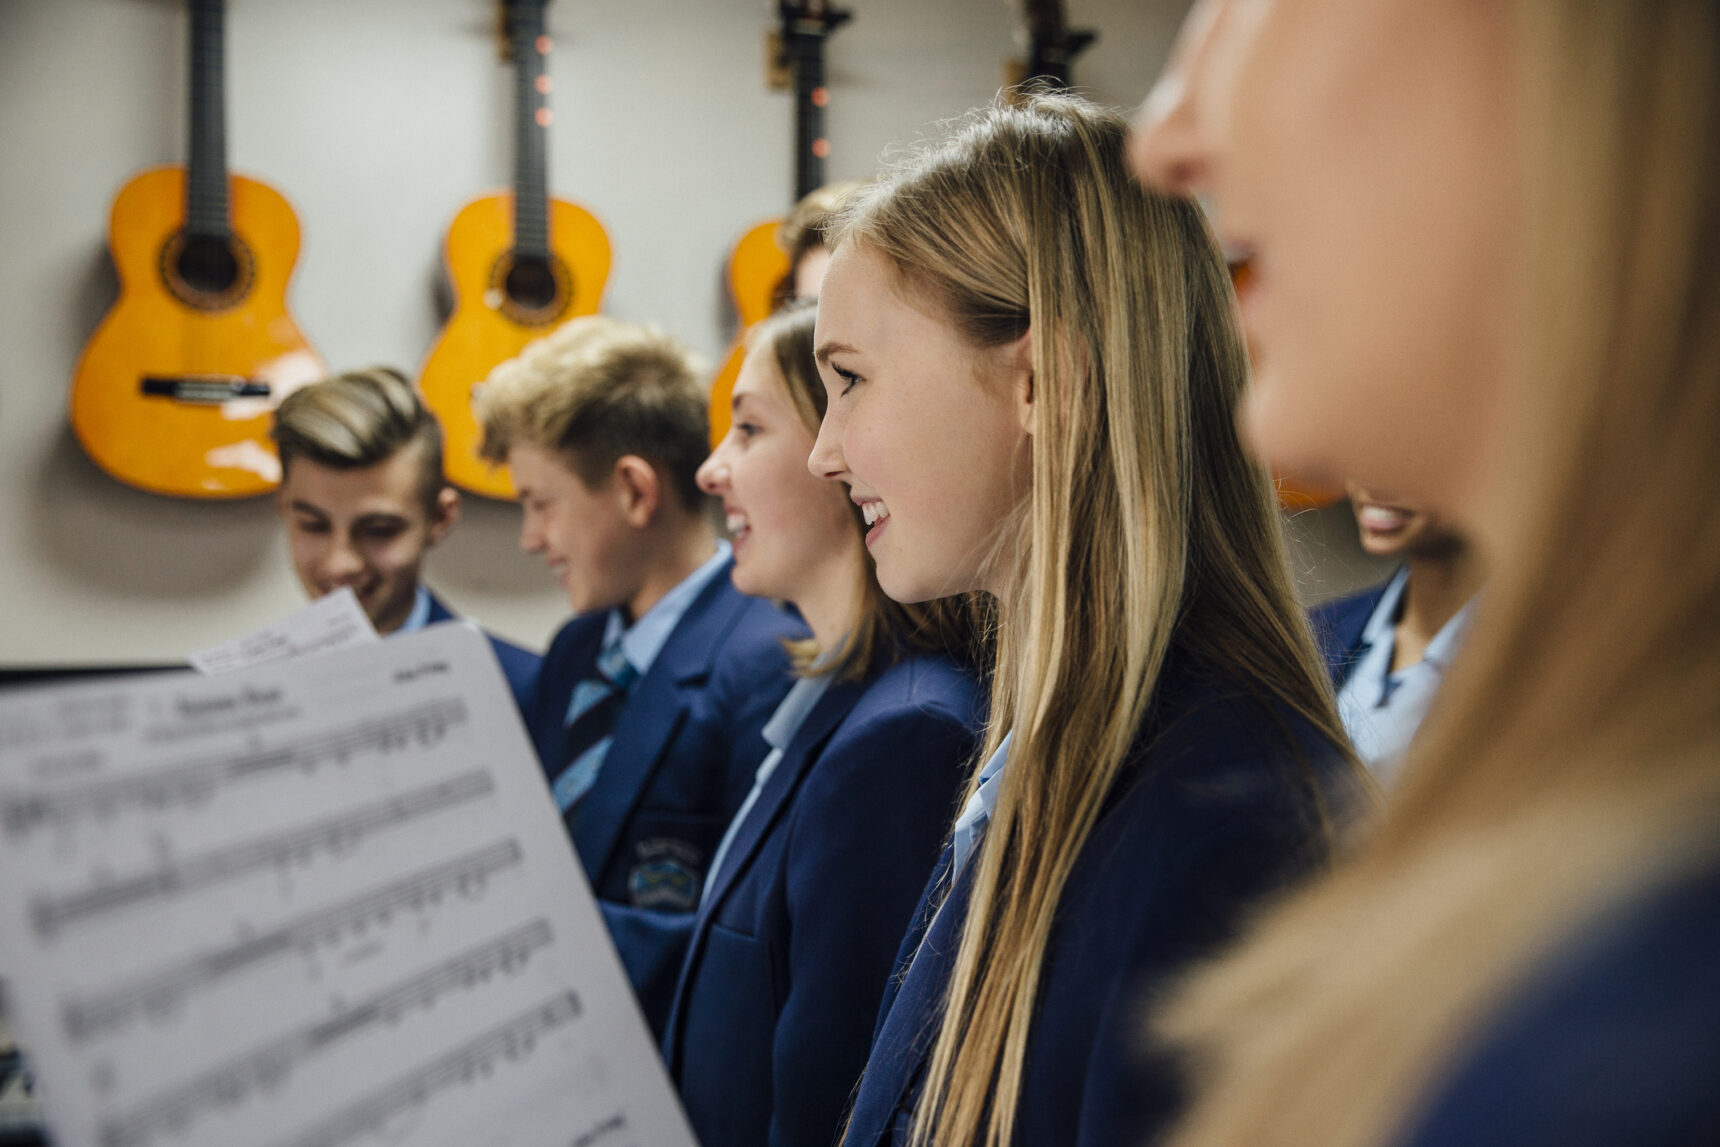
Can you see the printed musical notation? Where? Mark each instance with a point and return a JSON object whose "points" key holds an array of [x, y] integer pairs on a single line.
{"points": [[217, 941], [512, 1040], [161, 993], [193, 783], [264, 1068], [50, 915]]}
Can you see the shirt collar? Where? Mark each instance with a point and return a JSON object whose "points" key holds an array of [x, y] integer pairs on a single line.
{"points": [[979, 807], [791, 714], [420, 615], [644, 639], [1384, 617], [1444, 645]]}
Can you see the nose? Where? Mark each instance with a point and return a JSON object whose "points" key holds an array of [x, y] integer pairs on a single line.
{"points": [[1169, 148], [826, 459], [342, 562], [713, 473], [531, 536]]}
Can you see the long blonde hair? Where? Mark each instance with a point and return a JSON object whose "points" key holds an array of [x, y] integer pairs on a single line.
{"points": [[1144, 520], [1575, 755]]}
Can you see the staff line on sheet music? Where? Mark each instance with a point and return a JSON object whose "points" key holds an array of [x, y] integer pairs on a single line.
{"points": [[269, 1064], [512, 1039], [48, 916], [84, 1019], [20, 814]]}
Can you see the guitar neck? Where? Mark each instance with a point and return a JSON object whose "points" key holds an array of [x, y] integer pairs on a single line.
{"points": [[206, 214], [805, 28], [531, 129]]}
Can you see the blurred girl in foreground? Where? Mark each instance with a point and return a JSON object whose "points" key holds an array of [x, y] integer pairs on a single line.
{"points": [[1488, 245], [1033, 367]]}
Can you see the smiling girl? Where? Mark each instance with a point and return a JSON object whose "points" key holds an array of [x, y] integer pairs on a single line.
{"points": [[1491, 282], [813, 886], [1033, 370]]}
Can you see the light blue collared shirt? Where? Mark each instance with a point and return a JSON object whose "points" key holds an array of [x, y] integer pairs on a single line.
{"points": [[420, 615], [644, 639], [790, 715], [1382, 710], [977, 812]]}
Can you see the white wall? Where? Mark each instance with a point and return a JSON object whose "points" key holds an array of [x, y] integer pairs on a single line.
{"points": [[378, 119]]}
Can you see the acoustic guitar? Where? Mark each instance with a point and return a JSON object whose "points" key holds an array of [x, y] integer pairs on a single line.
{"points": [[174, 390], [520, 264], [758, 265]]}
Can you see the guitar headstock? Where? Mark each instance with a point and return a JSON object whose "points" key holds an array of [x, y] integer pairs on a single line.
{"points": [[511, 17], [811, 17], [1051, 46]]}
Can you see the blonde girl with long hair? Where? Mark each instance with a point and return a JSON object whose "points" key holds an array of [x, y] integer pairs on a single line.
{"points": [[1032, 367], [1489, 243], [818, 875]]}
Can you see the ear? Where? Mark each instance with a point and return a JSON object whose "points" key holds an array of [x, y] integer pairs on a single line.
{"points": [[1018, 360], [445, 514], [639, 489]]}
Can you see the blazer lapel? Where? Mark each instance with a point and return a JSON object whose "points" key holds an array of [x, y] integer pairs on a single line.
{"points": [[907, 1025], [650, 720], [438, 611], [802, 749]]}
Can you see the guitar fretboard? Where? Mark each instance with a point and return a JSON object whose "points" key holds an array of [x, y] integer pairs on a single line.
{"points": [[805, 28], [531, 129], [206, 186]]}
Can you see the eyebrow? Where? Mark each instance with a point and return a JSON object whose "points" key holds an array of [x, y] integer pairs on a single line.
{"points": [[825, 350], [302, 507]]}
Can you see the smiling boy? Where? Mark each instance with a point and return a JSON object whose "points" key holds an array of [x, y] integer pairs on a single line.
{"points": [[649, 711], [363, 500]]}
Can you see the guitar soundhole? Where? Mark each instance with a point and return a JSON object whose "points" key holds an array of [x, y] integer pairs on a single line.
{"points": [[209, 273], [534, 290], [531, 284], [208, 266]]}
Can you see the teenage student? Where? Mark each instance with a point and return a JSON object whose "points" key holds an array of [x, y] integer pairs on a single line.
{"points": [[363, 499], [649, 708], [1032, 370], [802, 236], [1490, 279], [1389, 647], [818, 876]]}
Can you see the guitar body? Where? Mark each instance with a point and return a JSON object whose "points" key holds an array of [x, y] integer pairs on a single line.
{"points": [[489, 326], [164, 328], [757, 266]]}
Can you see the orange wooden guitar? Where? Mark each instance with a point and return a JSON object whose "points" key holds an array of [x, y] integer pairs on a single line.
{"points": [[758, 264], [174, 390], [520, 264]]}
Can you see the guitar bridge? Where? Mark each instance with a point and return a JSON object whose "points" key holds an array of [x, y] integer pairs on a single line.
{"points": [[203, 389]]}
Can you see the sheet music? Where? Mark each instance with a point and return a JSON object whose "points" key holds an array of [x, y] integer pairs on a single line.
{"points": [[333, 621], [319, 903]]}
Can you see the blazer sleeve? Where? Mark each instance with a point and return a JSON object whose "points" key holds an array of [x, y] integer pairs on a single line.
{"points": [[868, 829]]}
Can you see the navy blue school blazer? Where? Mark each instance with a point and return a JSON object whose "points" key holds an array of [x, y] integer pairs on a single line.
{"points": [[777, 998], [1338, 626], [1615, 1040], [1214, 810], [519, 665], [686, 745]]}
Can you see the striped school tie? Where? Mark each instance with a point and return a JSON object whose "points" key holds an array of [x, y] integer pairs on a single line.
{"points": [[590, 724]]}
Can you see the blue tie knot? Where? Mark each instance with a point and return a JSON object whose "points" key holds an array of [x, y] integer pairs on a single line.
{"points": [[612, 663]]}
